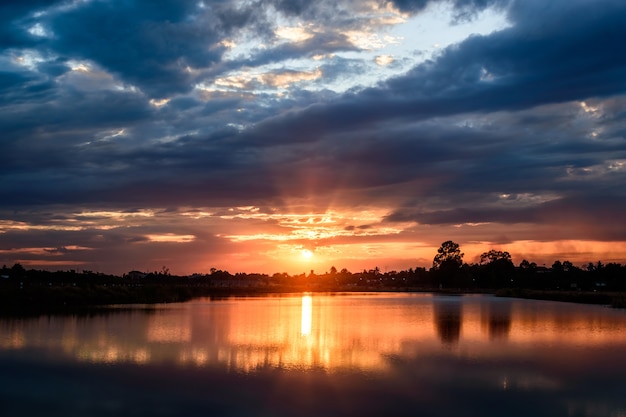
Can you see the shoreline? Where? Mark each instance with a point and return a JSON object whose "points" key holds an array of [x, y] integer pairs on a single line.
{"points": [[611, 299], [36, 301]]}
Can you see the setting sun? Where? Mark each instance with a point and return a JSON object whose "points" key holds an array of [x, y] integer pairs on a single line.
{"points": [[307, 254]]}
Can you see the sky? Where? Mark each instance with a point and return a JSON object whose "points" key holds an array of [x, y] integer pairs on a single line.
{"points": [[293, 135]]}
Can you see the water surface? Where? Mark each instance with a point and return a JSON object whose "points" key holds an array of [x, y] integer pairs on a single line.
{"points": [[311, 354]]}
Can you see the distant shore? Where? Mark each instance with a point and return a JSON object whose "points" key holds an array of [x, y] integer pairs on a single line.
{"points": [[613, 299], [37, 300]]}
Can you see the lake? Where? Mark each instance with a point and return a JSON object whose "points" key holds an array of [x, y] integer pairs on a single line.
{"points": [[354, 354]]}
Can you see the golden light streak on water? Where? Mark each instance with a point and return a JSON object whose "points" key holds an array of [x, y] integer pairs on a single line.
{"points": [[307, 315], [334, 333]]}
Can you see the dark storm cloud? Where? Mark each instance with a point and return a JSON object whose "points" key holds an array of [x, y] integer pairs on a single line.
{"points": [[20, 87], [329, 10], [152, 45], [318, 44], [552, 57], [411, 5], [145, 43], [492, 115], [591, 216], [580, 207], [464, 9], [47, 134], [448, 163], [525, 67], [13, 16]]}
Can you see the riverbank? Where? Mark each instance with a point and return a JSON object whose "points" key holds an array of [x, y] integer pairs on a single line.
{"points": [[613, 299], [59, 299], [70, 299]]}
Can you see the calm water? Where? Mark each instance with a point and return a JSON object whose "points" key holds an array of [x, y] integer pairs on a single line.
{"points": [[320, 355]]}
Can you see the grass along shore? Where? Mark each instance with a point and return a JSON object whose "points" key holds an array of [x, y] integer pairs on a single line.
{"points": [[68, 298], [613, 299]]}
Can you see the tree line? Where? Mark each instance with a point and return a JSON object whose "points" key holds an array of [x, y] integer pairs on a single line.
{"points": [[495, 270]]}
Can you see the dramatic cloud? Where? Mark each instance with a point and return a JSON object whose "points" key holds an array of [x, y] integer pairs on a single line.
{"points": [[235, 134]]}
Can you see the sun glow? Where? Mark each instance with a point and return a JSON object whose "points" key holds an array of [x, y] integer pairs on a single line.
{"points": [[307, 254]]}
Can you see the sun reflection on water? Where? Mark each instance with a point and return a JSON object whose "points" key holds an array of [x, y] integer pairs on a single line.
{"points": [[307, 315], [312, 331]]}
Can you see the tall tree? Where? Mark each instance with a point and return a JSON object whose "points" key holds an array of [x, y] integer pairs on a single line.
{"points": [[496, 269], [493, 256], [449, 255]]}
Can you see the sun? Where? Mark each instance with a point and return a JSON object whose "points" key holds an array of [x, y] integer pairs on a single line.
{"points": [[307, 254]]}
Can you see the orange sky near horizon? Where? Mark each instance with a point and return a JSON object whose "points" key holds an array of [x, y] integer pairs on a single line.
{"points": [[247, 239]]}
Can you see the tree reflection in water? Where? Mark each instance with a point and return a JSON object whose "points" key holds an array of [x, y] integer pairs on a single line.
{"points": [[498, 320], [315, 354], [447, 320]]}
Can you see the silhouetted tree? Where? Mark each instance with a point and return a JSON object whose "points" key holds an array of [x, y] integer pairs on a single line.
{"points": [[568, 266], [448, 255], [447, 264], [494, 256], [496, 269], [527, 276], [527, 265], [18, 271], [557, 267]]}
